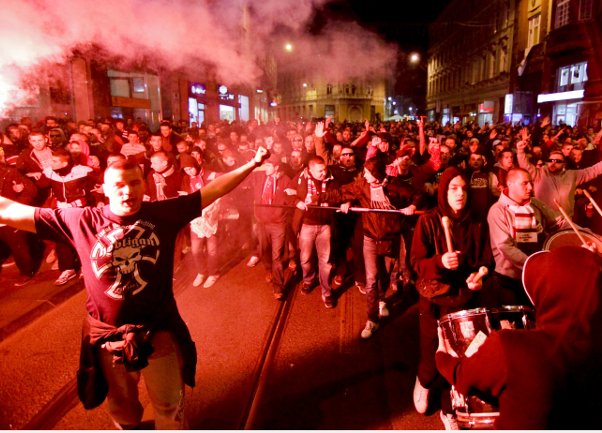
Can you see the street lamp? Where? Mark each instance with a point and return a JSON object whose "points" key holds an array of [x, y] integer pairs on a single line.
{"points": [[414, 58]]}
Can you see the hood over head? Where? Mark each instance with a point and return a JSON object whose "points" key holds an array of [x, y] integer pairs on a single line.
{"points": [[565, 286], [446, 177]]}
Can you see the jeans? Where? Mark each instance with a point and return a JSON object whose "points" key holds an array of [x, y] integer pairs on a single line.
{"points": [[271, 246], [206, 263], [378, 270], [318, 236], [164, 383]]}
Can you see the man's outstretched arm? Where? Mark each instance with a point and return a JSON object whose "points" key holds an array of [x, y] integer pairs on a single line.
{"points": [[226, 182], [17, 215]]}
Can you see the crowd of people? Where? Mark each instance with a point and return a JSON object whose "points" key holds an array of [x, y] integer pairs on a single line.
{"points": [[412, 206]]}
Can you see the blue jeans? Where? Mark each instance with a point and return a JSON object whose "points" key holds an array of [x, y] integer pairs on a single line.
{"points": [[271, 246], [378, 271], [206, 262], [318, 236]]}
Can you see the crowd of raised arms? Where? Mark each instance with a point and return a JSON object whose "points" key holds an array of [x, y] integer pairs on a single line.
{"points": [[415, 155], [450, 212]]}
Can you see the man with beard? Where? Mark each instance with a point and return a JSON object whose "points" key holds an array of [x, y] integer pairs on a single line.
{"points": [[553, 181]]}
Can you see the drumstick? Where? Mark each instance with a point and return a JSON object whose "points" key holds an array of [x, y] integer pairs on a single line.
{"points": [[482, 272], [447, 229], [591, 199], [573, 226]]}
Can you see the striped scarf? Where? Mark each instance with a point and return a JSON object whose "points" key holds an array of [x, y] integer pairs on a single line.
{"points": [[378, 198]]}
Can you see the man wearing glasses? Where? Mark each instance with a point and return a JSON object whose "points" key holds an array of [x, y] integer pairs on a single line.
{"points": [[553, 181]]}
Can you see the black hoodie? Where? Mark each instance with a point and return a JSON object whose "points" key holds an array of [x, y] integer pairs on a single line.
{"points": [[469, 236]]}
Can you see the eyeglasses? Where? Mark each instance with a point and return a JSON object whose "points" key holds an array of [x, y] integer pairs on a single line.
{"points": [[347, 154], [557, 161]]}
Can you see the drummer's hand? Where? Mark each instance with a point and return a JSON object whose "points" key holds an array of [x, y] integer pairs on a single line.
{"points": [[450, 260], [592, 247], [444, 344], [474, 284]]}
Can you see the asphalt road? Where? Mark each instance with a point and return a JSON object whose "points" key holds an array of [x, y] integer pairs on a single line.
{"points": [[263, 364]]}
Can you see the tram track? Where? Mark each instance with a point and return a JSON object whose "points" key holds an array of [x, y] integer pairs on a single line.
{"points": [[66, 398]]}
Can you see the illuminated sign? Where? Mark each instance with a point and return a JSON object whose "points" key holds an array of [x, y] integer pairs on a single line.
{"points": [[224, 95], [198, 89], [561, 96]]}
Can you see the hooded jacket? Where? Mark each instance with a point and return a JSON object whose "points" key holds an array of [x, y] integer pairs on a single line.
{"points": [[548, 377], [469, 235]]}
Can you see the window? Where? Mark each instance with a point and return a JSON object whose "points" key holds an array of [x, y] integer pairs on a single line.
{"points": [[564, 76], [585, 10], [534, 25], [562, 13]]}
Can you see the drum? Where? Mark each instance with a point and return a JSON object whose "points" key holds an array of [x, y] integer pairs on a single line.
{"points": [[569, 237], [465, 331]]}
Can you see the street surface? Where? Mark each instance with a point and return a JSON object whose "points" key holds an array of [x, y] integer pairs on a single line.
{"points": [[263, 364]]}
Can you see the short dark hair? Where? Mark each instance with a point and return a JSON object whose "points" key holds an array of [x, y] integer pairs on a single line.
{"points": [[123, 165]]}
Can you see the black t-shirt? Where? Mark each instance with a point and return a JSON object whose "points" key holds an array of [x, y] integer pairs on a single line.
{"points": [[127, 262]]}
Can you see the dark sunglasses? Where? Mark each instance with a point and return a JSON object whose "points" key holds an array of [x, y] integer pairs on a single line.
{"points": [[557, 161], [347, 154]]}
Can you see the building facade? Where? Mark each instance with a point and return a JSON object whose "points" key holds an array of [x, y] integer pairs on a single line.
{"points": [[353, 101], [515, 61]]}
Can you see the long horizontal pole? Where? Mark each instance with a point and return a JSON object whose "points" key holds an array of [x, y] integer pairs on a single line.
{"points": [[352, 209]]}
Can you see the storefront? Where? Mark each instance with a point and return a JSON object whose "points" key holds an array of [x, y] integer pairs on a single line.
{"points": [[197, 103], [136, 95]]}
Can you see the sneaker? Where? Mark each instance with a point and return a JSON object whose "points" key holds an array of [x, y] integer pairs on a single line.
{"points": [[421, 397], [449, 421], [307, 288], [253, 261], [65, 277], [337, 281], [361, 287], [383, 311], [22, 281], [370, 329], [198, 280], [329, 302], [211, 279]]}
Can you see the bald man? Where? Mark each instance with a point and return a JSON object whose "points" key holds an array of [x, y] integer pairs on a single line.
{"points": [[518, 226]]}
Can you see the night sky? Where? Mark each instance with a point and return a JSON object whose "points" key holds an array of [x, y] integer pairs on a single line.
{"points": [[408, 28]]}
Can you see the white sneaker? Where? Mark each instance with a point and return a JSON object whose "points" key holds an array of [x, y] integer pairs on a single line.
{"points": [[449, 421], [370, 329], [65, 277], [198, 280], [211, 279], [421, 397], [383, 311], [253, 261]]}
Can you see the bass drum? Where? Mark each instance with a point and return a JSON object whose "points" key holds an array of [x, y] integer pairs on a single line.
{"points": [[565, 238]]}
